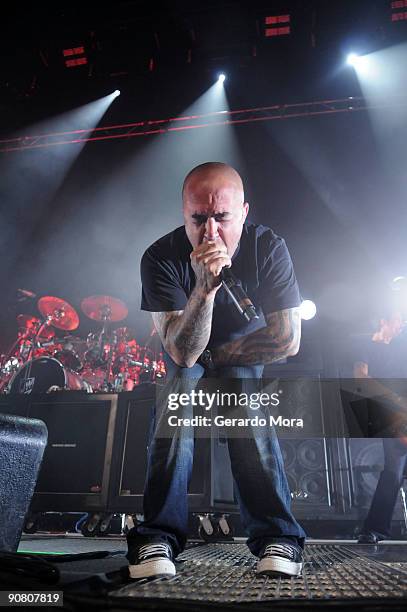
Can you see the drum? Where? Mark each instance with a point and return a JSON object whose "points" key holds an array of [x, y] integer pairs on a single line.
{"points": [[71, 352], [69, 359], [95, 377], [125, 341], [46, 374], [97, 355]]}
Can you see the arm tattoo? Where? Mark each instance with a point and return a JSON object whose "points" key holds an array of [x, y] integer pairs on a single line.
{"points": [[280, 339], [185, 333]]}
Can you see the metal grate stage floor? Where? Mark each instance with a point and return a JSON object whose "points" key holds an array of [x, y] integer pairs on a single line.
{"points": [[223, 574]]}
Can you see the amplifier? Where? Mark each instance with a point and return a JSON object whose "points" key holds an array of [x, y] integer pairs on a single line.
{"points": [[366, 460], [129, 462], [75, 472], [22, 443], [96, 458]]}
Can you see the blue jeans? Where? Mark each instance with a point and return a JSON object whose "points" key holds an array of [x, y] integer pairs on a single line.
{"points": [[381, 510], [258, 471]]}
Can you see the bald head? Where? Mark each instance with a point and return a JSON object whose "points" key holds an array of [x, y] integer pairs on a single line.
{"points": [[213, 172], [214, 206]]}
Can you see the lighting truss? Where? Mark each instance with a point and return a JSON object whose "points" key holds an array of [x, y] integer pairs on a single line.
{"points": [[193, 122]]}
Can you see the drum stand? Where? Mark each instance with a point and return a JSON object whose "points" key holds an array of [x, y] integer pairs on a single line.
{"points": [[106, 312]]}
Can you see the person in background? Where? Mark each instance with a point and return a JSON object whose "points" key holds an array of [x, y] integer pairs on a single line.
{"points": [[384, 355]]}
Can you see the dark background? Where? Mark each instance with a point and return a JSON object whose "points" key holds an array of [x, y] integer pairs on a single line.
{"points": [[76, 219]]}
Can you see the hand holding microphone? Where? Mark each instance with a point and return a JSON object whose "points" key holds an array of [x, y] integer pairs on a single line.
{"points": [[211, 264], [207, 261]]}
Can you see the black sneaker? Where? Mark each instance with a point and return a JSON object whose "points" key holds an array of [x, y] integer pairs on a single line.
{"points": [[153, 559], [280, 558], [367, 537]]}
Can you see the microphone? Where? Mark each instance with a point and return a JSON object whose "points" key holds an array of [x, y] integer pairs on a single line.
{"points": [[234, 288]]}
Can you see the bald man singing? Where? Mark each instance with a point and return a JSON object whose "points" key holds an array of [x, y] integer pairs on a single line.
{"points": [[203, 334]]}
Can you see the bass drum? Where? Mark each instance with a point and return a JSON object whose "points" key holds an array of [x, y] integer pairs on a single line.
{"points": [[46, 374]]}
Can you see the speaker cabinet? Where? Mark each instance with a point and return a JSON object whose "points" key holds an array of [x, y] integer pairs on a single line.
{"points": [[22, 443], [96, 459], [307, 459], [76, 469], [129, 464], [366, 462], [75, 472]]}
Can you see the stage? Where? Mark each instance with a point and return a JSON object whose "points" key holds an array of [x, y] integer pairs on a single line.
{"points": [[203, 315], [221, 575]]}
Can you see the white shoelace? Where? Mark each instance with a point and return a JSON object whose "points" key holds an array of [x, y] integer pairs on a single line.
{"points": [[149, 550], [279, 549]]}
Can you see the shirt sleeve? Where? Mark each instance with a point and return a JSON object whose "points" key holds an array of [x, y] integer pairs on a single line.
{"points": [[162, 290], [278, 284]]}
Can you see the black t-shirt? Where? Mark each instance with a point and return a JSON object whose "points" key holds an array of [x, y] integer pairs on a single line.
{"points": [[261, 262]]}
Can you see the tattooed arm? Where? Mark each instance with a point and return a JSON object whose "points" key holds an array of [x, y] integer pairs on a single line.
{"points": [[185, 333], [280, 339]]}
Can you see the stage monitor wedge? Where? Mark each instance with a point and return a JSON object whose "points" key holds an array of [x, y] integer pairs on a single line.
{"points": [[22, 445]]}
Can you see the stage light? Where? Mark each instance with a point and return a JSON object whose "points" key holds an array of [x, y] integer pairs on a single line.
{"points": [[308, 310], [399, 283], [363, 64], [77, 56], [352, 59], [221, 78], [274, 27], [116, 93]]}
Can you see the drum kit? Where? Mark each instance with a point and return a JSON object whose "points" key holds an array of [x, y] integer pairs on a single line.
{"points": [[109, 360]]}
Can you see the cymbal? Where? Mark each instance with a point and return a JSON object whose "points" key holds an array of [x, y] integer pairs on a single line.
{"points": [[104, 308], [32, 324], [63, 315]]}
